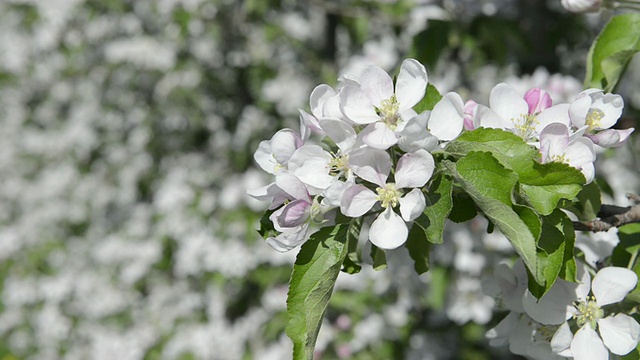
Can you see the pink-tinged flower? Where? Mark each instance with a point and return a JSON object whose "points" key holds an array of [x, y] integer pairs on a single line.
{"points": [[557, 145], [313, 166], [511, 112], [294, 218], [538, 100], [389, 230], [470, 113], [273, 155], [618, 334], [598, 112], [581, 6], [375, 102]]}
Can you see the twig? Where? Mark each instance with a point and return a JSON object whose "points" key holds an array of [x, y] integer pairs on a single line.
{"points": [[612, 216]]}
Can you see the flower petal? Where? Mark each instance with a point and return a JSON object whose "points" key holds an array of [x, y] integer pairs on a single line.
{"points": [[379, 136], [587, 345], [561, 340], [283, 144], [447, 117], [357, 106], [294, 213], [371, 164], [290, 239], [620, 333], [357, 200], [376, 84], [553, 140], [485, 117], [612, 284], [310, 163], [414, 169], [412, 205], [318, 97], [611, 138], [293, 186], [388, 230], [507, 103], [579, 108], [555, 114], [340, 132], [411, 83]]}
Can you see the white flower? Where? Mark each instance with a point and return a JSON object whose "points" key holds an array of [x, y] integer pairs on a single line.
{"points": [[389, 229], [510, 111], [556, 145], [617, 333], [598, 112], [375, 102]]}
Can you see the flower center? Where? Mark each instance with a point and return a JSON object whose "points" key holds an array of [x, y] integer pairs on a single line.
{"points": [[388, 111], [559, 158], [588, 312], [544, 332], [338, 164], [316, 212], [388, 195], [525, 125], [594, 118]]}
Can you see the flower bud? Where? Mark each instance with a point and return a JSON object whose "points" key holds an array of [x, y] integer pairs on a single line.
{"points": [[538, 100]]}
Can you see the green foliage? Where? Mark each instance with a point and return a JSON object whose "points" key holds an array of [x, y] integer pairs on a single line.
{"points": [[351, 263], [438, 206], [314, 274], [430, 99], [490, 185], [418, 249], [612, 50], [587, 203]]}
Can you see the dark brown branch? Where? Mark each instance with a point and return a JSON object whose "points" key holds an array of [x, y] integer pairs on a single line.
{"points": [[612, 216]]}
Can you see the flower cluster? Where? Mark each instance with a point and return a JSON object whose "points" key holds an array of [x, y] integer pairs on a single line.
{"points": [[377, 153], [563, 323]]}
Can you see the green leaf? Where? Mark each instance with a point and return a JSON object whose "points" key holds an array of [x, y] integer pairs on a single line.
{"points": [[555, 250], [430, 99], [544, 185], [587, 203], [351, 263], [612, 50], [439, 204], [464, 209], [418, 247], [510, 150], [490, 185], [379, 258], [314, 274]]}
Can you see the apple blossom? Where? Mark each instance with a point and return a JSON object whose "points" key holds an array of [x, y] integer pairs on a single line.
{"points": [[388, 230], [599, 112], [375, 102], [618, 333], [557, 145], [511, 112]]}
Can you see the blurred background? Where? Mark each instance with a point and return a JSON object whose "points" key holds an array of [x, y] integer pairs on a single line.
{"points": [[127, 130]]}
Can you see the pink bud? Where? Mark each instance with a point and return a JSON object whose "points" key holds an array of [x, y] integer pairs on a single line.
{"points": [[470, 110], [538, 100]]}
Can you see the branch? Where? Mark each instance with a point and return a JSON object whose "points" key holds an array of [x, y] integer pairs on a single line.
{"points": [[612, 216]]}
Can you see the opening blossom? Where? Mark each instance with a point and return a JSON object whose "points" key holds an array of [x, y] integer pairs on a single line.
{"points": [[597, 112], [375, 101], [556, 145], [523, 116], [389, 230], [617, 334]]}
